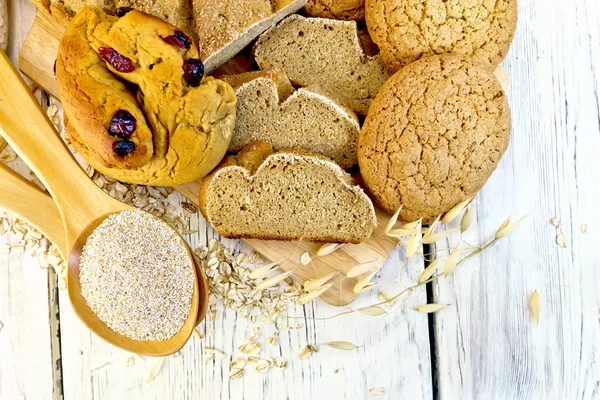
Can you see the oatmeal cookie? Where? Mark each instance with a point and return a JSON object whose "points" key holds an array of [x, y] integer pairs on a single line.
{"points": [[433, 136], [408, 30]]}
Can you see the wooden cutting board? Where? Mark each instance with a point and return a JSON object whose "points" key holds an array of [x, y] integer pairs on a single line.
{"points": [[37, 61]]}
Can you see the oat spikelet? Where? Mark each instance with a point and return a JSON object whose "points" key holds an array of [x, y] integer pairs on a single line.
{"points": [[431, 308], [363, 282], [457, 209], [430, 270], [274, 280], [262, 271], [368, 287], [305, 298], [386, 297], [398, 233], [392, 221], [155, 369], [377, 391], [438, 236], [327, 249], [413, 243], [429, 231], [372, 311], [452, 260], [412, 225], [535, 305], [506, 228], [342, 345], [305, 259], [466, 219], [305, 352], [315, 283], [363, 268]]}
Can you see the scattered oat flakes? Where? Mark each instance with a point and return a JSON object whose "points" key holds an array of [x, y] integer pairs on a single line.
{"points": [[250, 348], [335, 371], [272, 341], [562, 240], [129, 361], [198, 334], [556, 222], [237, 363], [584, 228], [236, 373], [305, 259], [298, 326], [252, 359], [262, 366], [254, 334], [304, 353], [280, 363], [377, 391], [535, 305], [217, 354]]}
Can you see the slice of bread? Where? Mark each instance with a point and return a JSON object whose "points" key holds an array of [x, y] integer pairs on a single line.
{"points": [[324, 53], [225, 27], [269, 109], [289, 195]]}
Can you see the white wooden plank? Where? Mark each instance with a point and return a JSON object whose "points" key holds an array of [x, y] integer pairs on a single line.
{"points": [[26, 359], [396, 354], [487, 347]]}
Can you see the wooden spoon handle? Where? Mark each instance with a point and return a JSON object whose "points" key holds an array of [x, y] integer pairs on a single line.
{"points": [[29, 132], [29, 203]]}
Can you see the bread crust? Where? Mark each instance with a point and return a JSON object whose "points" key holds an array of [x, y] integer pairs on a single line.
{"points": [[248, 159], [434, 134], [348, 10], [181, 132]]}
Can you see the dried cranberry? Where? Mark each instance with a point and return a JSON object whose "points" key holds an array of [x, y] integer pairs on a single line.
{"points": [[123, 147], [121, 11], [117, 61], [122, 124], [193, 71], [178, 39]]}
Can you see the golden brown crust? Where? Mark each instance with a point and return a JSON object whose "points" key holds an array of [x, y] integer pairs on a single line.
{"points": [[182, 132], [408, 30], [433, 136], [336, 9]]}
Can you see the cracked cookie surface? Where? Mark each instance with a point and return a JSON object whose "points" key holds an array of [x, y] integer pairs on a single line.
{"points": [[133, 112], [408, 30], [433, 136]]}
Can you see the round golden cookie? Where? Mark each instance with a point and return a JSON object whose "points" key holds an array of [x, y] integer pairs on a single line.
{"points": [[138, 106], [349, 10], [408, 30], [433, 135]]}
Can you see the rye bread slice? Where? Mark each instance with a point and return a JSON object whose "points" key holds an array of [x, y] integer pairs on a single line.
{"points": [[269, 109], [289, 195], [325, 53]]}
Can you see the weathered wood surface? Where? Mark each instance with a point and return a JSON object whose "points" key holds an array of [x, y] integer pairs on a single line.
{"points": [[487, 347]]}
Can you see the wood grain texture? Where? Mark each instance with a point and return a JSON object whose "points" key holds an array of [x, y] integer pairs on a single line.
{"points": [[487, 346], [99, 372], [26, 346]]}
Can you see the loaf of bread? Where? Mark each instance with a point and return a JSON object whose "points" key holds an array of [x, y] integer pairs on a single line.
{"points": [[289, 195], [324, 53], [176, 12], [336, 9], [227, 26], [183, 128], [268, 109]]}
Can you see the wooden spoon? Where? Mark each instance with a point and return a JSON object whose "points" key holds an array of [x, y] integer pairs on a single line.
{"points": [[81, 203], [29, 203]]}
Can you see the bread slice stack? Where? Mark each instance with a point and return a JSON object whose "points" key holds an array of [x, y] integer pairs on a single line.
{"points": [[324, 53], [225, 27], [290, 195], [269, 109]]}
